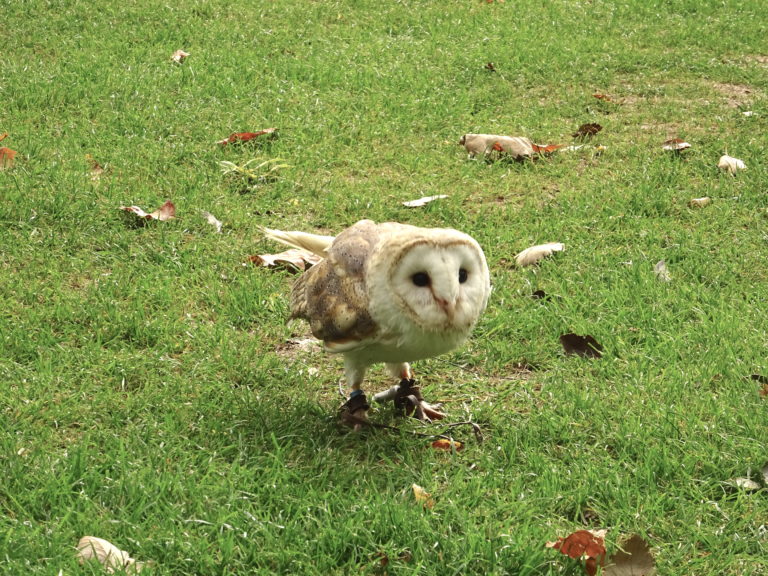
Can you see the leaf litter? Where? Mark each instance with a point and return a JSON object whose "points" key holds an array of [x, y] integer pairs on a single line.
{"points": [[166, 212], [107, 554], [633, 558]]}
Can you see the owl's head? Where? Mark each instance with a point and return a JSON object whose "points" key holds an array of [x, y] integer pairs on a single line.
{"points": [[435, 279]]}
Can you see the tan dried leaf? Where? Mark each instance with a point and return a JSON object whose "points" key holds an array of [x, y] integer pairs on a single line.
{"points": [[293, 258], [422, 496], [424, 200], [634, 559], [179, 56], [109, 555], [533, 254], [166, 212], [730, 164], [700, 202]]}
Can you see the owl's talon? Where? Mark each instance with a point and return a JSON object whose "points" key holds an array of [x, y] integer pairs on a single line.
{"points": [[410, 401], [354, 411]]}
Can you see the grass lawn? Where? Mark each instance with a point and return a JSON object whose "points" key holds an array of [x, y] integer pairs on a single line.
{"points": [[151, 391]]}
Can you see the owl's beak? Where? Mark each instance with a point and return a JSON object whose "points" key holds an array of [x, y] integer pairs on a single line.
{"points": [[446, 306]]}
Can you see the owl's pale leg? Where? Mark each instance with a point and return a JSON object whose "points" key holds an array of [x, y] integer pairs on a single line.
{"points": [[407, 396]]}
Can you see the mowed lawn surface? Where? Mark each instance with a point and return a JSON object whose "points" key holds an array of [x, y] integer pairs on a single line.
{"points": [[152, 393]]}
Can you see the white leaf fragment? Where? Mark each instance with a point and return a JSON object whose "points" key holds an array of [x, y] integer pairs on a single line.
{"points": [[423, 200], [700, 202], [532, 255], [661, 271], [109, 555], [746, 484], [730, 164], [213, 221]]}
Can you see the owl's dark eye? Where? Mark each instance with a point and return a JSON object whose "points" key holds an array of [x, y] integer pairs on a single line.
{"points": [[420, 279], [463, 275]]}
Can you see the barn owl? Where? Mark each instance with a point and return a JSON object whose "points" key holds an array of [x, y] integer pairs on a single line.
{"points": [[389, 293]]}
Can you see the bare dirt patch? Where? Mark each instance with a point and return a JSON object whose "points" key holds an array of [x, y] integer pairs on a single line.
{"points": [[736, 95]]}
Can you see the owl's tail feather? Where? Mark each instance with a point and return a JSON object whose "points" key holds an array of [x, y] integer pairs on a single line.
{"points": [[302, 240]]}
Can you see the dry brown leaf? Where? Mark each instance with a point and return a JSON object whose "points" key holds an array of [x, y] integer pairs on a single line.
{"points": [[730, 164], [585, 346], [179, 56], [96, 169], [109, 555], [7, 157], [533, 254], [293, 258], [166, 212], [424, 200], [446, 444], [603, 97], [422, 496], [587, 545], [240, 137], [634, 559]]}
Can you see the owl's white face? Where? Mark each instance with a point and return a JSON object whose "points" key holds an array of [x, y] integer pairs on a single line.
{"points": [[441, 287]]}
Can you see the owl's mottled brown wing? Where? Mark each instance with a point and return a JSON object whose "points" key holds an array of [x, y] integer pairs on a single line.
{"points": [[332, 295]]}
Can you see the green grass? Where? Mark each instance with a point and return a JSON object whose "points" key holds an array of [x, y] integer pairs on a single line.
{"points": [[147, 393]]}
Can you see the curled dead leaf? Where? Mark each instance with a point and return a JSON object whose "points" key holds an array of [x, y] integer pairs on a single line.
{"points": [[240, 137], [166, 212], [700, 202], [179, 56], [730, 164], [422, 496], [581, 544], [423, 201], [585, 346], [532, 255], [7, 157], [675, 145], [107, 554], [446, 444]]}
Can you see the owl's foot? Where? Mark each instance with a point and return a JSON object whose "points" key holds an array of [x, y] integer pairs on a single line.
{"points": [[355, 410], [408, 399]]}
